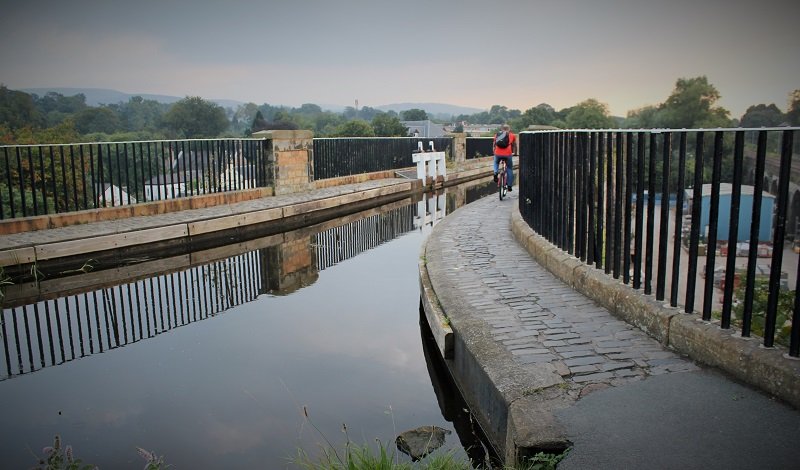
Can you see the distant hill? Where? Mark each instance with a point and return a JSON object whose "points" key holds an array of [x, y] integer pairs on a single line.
{"points": [[98, 96], [431, 108]]}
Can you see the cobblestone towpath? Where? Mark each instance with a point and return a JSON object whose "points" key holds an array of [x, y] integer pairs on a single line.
{"points": [[618, 397]]}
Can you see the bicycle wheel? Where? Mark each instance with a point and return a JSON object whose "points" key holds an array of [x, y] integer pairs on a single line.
{"points": [[501, 182]]}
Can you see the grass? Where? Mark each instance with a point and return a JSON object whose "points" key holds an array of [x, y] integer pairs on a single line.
{"points": [[379, 457], [384, 457], [61, 457]]}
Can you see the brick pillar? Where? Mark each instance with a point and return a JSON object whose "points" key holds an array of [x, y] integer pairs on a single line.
{"points": [[290, 156], [459, 148], [288, 266]]}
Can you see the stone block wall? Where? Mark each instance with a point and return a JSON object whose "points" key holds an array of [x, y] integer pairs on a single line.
{"points": [[290, 158]]}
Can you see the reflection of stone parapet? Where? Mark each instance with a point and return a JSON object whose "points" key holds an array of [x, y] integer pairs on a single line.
{"points": [[290, 266]]}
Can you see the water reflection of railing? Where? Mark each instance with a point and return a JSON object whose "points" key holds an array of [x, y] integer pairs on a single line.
{"points": [[44, 330], [346, 241], [55, 331]]}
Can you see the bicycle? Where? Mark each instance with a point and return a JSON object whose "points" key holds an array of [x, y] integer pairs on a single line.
{"points": [[502, 174]]}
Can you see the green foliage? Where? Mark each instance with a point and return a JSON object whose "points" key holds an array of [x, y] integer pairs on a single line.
{"points": [[793, 114], [760, 299], [762, 116], [642, 118], [194, 117], [385, 125], [543, 461], [542, 114], [414, 114], [691, 105], [259, 123], [25, 118], [354, 128], [590, 114], [97, 120], [17, 109]]}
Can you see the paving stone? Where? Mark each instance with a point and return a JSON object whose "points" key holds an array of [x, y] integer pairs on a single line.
{"points": [[600, 376], [561, 336], [582, 370], [575, 347], [525, 334], [584, 361], [617, 365], [609, 350], [574, 354]]}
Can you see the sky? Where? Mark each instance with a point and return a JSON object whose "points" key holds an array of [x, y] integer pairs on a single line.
{"points": [[515, 53]]}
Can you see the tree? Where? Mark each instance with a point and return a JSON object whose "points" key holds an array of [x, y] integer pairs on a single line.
{"points": [[139, 114], [259, 123], [244, 118], [102, 119], [590, 114], [762, 116], [366, 113], [17, 109], [414, 114], [193, 117], [691, 105], [542, 114], [354, 128], [793, 114], [309, 109], [642, 118], [388, 126]]}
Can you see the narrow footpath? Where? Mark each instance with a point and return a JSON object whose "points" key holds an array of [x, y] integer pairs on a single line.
{"points": [[570, 374]]}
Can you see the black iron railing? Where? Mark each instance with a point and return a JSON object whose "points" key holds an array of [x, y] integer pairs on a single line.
{"points": [[50, 179], [334, 157], [660, 206], [479, 147], [53, 331]]}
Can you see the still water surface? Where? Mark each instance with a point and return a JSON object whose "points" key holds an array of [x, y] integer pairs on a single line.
{"points": [[325, 320]]}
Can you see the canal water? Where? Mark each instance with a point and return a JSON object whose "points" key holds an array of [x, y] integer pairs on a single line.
{"points": [[237, 357]]}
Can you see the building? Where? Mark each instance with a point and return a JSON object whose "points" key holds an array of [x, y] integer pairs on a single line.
{"points": [[745, 212], [425, 128]]}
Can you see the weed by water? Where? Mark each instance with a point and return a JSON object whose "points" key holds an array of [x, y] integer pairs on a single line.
{"points": [[61, 457], [542, 461]]}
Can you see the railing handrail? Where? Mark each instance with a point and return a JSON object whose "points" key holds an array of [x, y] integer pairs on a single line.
{"points": [[661, 130], [135, 142]]}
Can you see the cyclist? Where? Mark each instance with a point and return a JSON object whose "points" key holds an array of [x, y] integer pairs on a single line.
{"points": [[506, 153]]}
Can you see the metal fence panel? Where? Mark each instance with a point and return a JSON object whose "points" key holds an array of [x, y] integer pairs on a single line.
{"points": [[594, 193]]}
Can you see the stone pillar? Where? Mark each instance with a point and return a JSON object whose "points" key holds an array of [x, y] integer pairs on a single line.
{"points": [[460, 148], [290, 156]]}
